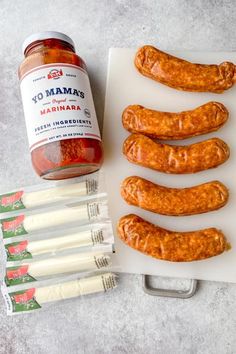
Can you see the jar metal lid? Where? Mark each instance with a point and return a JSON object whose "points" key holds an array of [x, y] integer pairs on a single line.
{"points": [[46, 35]]}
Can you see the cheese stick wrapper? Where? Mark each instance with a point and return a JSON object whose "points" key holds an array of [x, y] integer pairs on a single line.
{"points": [[71, 214], [34, 298], [88, 236], [51, 192], [45, 268]]}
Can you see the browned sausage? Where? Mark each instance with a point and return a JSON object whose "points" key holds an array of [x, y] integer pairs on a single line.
{"points": [[143, 151], [199, 199], [183, 75], [171, 245], [165, 125]]}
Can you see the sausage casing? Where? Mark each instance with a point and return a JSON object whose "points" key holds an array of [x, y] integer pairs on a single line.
{"points": [[183, 75], [169, 245], [143, 151], [165, 125], [199, 199]]}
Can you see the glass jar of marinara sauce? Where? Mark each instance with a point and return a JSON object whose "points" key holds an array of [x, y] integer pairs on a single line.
{"points": [[61, 121]]}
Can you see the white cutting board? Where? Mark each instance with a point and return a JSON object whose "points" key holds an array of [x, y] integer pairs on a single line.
{"points": [[126, 86]]}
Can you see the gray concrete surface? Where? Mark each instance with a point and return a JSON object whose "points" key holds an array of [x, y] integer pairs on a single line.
{"points": [[127, 320]]}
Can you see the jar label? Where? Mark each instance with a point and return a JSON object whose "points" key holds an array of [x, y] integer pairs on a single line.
{"points": [[58, 104]]}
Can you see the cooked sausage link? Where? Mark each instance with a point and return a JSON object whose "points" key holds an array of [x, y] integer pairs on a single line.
{"points": [[199, 199], [143, 151], [183, 75], [169, 245], [165, 125]]}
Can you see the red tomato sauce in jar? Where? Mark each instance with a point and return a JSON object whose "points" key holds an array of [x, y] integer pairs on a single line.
{"points": [[61, 121]]}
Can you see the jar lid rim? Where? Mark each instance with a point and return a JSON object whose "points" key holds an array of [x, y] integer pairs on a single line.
{"points": [[46, 35]]}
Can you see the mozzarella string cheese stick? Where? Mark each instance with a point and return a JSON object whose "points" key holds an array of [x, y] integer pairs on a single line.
{"points": [[28, 272], [74, 288], [55, 218], [25, 224], [90, 236], [57, 244], [47, 196], [36, 196], [35, 298]]}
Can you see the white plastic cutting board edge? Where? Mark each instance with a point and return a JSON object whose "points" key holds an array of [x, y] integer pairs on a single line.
{"points": [[126, 86]]}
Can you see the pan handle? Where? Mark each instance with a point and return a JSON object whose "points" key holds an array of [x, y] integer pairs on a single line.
{"points": [[180, 294]]}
